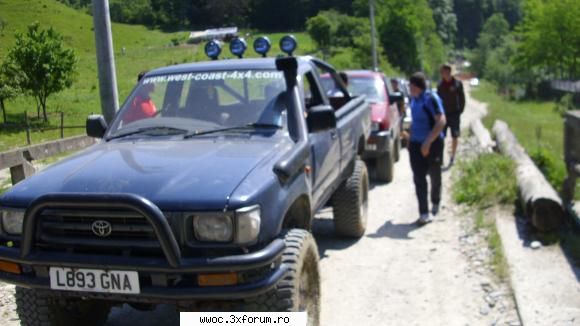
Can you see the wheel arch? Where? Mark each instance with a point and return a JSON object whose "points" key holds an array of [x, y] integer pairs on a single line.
{"points": [[299, 214]]}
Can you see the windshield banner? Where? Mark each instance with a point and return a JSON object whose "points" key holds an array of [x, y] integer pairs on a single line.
{"points": [[215, 75]]}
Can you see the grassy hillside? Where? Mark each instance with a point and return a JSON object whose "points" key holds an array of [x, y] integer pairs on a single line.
{"points": [[144, 49]]}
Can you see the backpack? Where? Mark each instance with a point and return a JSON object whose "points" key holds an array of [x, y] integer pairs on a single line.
{"points": [[435, 101]]}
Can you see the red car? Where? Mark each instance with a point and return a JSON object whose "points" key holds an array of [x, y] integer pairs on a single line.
{"points": [[385, 141], [384, 144]]}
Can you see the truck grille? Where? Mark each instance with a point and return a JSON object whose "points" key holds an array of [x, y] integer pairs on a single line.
{"points": [[60, 229]]}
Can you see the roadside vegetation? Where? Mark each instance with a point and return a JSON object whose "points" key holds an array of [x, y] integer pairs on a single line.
{"points": [[484, 182], [538, 125]]}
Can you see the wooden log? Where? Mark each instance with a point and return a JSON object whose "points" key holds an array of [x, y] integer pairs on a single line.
{"points": [[483, 136], [540, 201]]}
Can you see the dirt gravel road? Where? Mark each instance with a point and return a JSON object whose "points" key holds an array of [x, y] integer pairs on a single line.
{"points": [[397, 274]]}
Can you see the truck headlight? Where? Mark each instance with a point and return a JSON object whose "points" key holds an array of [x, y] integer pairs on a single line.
{"points": [[12, 221], [248, 224], [215, 227]]}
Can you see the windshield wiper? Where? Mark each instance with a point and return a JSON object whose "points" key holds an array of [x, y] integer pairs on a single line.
{"points": [[243, 127], [146, 129]]}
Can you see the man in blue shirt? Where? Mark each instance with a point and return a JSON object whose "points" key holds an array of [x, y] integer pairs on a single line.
{"points": [[426, 145]]}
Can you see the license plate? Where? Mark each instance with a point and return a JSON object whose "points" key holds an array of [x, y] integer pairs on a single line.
{"points": [[371, 147], [94, 280]]}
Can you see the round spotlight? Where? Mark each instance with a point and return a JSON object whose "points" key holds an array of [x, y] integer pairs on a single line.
{"points": [[213, 49], [262, 45], [288, 44], [238, 46]]}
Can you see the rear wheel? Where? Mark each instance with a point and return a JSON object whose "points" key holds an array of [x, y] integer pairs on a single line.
{"points": [[385, 166], [350, 203], [41, 308], [299, 289]]}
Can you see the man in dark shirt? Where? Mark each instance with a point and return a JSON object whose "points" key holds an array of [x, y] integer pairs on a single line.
{"points": [[450, 90]]}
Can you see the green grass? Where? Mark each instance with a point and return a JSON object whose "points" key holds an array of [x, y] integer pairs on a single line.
{"points": [[483, 182], [486, 181], [145, 49], [5, 185], [498, 260], [538, 127]]}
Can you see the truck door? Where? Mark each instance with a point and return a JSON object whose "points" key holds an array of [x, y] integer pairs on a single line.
{"points": [[324, 146]]}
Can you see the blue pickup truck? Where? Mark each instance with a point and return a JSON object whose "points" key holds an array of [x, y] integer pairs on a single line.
{"points": [[201, 194]]}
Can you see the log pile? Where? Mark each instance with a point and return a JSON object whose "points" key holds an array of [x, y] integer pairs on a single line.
{"points": [[540, 201]]}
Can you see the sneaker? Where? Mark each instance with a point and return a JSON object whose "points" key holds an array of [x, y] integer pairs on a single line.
{"points": [[435, 209], [424, 219]]}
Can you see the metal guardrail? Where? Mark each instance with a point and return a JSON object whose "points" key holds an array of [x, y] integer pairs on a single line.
{"points": [[566, 85], [19, 160]]}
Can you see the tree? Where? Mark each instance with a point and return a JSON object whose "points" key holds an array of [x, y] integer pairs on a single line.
{"points": [[408, 35], [472, 14], [445, 19], [549, 38], [321, 29], [41, 65], [491, 37], [7, 89], [498, 67], [398, 39]]}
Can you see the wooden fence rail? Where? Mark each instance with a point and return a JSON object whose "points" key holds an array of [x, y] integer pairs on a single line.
{"points": [[19, 161]]}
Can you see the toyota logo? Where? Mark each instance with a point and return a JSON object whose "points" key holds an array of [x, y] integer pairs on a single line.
{"points": [[101, 228]]}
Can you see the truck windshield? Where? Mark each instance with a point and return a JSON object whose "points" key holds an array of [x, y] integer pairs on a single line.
{"points": [[199, 102], [373, 88]]}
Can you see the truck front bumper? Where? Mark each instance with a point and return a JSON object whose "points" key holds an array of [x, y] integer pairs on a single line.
{"points": [[378, 144], [162, 279]]}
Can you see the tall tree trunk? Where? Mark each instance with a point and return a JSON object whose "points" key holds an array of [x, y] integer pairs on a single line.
{"points": [[43, 103], [37, 108], [3, 109]]}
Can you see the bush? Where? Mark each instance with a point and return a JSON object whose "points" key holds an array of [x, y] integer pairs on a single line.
{"points": [[486, 181], [565, 104], [548, 164], [175, 41]]}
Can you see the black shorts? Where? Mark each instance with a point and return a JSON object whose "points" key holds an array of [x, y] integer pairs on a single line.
{"points": [[453, 123]]}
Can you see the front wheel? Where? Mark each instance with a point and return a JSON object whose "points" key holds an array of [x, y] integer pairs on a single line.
{"points": [[299, 289], [41, 308], [397, 149]]}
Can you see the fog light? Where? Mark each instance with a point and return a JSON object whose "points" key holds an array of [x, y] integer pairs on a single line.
{"points": [[238, 47], [288, 44], [262, 45], [213, 49], [220, 279], [10, 267]]}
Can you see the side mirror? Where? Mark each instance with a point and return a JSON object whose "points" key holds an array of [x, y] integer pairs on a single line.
{"points": [[396, 97], [321, 118], [96, 126]]}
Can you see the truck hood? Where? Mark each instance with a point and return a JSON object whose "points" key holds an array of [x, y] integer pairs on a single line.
{"points": [[195, 174]]}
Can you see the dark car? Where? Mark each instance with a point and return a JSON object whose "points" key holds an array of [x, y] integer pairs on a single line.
{"points": [[200, 194]]}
